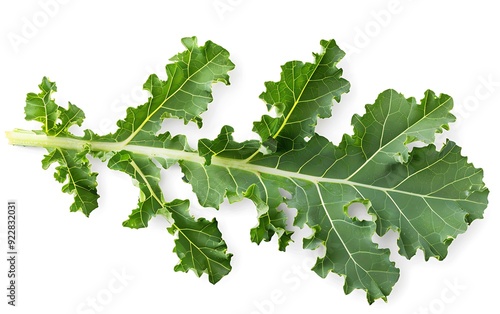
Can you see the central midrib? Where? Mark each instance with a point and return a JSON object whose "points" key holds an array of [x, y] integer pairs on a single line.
{"points": [[27, 138], [258, 169], [31, 139]]}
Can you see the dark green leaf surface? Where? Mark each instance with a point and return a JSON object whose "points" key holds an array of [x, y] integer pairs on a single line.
{"points": [[42, 108], [147, 175], [74, 171], [184, 95], [199, 243], [304, 93], [74, 168]]}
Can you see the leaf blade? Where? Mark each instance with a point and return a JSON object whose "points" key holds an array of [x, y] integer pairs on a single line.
{"points": [[304, 93], [199, 243]]}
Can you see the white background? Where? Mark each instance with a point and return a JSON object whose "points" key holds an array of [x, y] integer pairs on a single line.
{"points": [[100, 53]]}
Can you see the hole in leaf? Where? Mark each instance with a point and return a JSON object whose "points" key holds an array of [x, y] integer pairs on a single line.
{"points": [[359, 210], [388, 240], [415, 144], [285, 194], [176, 126]]}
